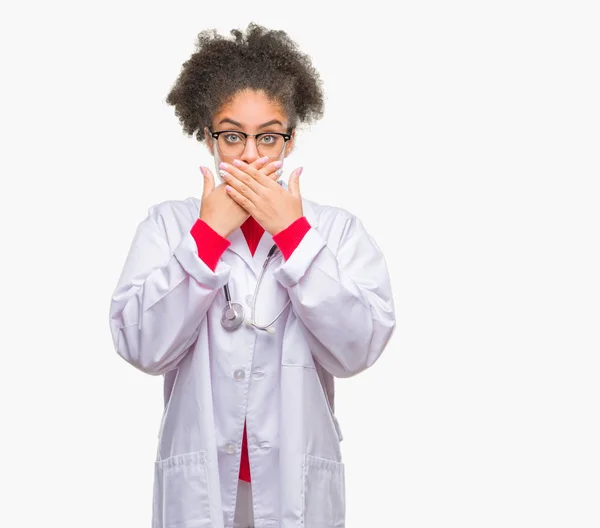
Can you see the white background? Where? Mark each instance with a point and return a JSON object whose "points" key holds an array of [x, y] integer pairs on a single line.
{"points": [[482, 191]]}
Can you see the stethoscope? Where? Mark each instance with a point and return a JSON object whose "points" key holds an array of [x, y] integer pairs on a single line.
{"points": [[233, 314]]}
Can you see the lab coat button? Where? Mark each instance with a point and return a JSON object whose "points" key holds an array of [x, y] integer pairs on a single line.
{"points": [[239, 374], [230, 449]]}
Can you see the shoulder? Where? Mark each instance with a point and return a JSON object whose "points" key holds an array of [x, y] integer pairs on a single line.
{"points": [[170, 210], [174, 218], [334, 223], [330, 217]]}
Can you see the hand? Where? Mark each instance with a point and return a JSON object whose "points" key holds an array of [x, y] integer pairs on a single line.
{"points": [[219, 210], [273, 207]]}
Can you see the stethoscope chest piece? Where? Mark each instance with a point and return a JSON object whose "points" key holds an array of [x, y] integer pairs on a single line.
{"points": [[233, 313], [232, 316]]}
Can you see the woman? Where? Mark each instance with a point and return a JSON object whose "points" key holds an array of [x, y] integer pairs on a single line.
{"points": [[249, 435]]}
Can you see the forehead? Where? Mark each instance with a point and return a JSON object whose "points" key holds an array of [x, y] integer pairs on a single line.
{"points": [[251, 108]]}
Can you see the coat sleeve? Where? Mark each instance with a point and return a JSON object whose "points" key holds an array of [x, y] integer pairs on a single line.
{"points": [[343, 299], [161, 297]]}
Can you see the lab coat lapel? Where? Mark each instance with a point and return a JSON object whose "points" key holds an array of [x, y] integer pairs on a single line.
{"points": [[240, 247], [262, 250]]}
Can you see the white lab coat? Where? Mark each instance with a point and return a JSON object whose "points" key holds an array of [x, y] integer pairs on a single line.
{"points": [[165, 320]]}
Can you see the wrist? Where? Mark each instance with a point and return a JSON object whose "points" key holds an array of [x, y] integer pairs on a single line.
{"points": [[221, 230], [285, 225]]}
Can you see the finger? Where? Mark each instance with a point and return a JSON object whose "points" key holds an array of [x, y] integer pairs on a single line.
{"points": [[209, 182], [256, 175], [268, 169], [259, 163], [241, 182], [241, 200], [272, 170], [239, 176], [294, 183]]}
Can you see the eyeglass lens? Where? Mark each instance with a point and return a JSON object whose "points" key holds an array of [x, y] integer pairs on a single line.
{"points": [[233, 144]]}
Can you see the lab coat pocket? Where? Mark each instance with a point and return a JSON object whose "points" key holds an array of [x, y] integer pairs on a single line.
{"points": [[324, 493], [295, 350], [181, 498]]}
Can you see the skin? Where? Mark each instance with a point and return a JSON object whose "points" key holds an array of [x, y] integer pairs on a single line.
{"points": [[251, 188]]}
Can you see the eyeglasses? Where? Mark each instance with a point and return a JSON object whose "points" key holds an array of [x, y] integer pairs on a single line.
{"points": [[233, 142]]}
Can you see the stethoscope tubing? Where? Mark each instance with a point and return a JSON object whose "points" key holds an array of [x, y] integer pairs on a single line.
{"points": [[252, 320]]}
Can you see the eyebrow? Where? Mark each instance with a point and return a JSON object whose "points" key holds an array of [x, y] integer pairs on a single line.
{"points": [[239, 125]]}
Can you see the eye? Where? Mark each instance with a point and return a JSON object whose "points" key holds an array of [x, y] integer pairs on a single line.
{"points": [[232, 137], [269, 139]]}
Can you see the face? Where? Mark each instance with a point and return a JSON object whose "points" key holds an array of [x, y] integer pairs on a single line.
{"points": [[251, 112]]}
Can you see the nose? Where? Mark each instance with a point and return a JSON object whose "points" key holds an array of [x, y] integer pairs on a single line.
{"points": [[250, 153]]}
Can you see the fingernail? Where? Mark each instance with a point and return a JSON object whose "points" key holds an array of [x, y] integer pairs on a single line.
{"points": [[237, 163], [278, 164], [264, 160], [223, 165], [203, 171], [300, 170], [223, 174]]}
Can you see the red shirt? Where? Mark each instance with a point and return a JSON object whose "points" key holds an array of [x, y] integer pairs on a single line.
{"points": [[211, 246]]}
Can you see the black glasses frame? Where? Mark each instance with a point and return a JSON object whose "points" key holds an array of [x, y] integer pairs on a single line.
{"points": [[286, 137]]}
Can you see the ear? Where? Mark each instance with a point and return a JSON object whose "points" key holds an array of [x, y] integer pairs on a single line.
{"points": [[209, 141], [289, 146]]}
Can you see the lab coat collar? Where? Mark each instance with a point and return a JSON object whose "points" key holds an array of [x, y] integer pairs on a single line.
{"points": [[240, 247]]}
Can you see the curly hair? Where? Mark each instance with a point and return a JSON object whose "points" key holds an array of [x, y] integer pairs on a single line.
{"points": [[262, 60]]}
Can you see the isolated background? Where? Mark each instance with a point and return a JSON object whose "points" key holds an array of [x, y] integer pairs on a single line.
{"points": [[483, 195]]}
